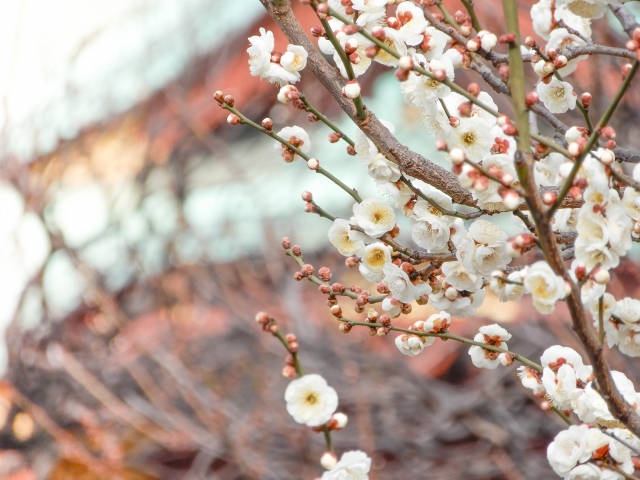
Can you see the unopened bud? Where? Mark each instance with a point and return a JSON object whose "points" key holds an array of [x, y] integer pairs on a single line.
{"points": [[307, 269], [632, 45], [229, 100], [338, 421], [454, 121], [296, 251], [338, 288], [575, 193], [274, 328], [378, 32], [531, 98], [549, 198], [406, 308], [626, 69], [351, 46], [574, 149], [312, 117], [608, 132], [457, 156], [310, 208], [267, 124], [405, 62], [351, 89], [324, 274], [291, 337], [530, 42], [334, 137], [607, 157], [293, 347], [560, 61], [585, 99], [507, 38], [313, 164], [511, 199], [345, 327], [601, 276], [393, 22], [262, 317], [503, 70], [352, 262], [441, 145], [307, 196], [503, 120], [402, 75], [510, 130], [288, 371], [382, 288], [474, 89], [328, 460], [218, 96], [336, 311], [234, 119], [473, 45]]}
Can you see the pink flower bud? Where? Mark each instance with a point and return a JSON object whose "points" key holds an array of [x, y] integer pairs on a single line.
{"points": [[507, 179], [262, 317], [345, 327], [549, 198], [288, 372], [530, 42], [218, 96], [351, 46], [402, 75], [507, 38], [575, 193], [334, 137], [338, 288], [440, 75], [503, 120], [632, 45], [466, 29], [626, 69], [608, 132], [607, 157], [510, 130], [296, 251], [474, 89], [503, 70], [352, 262], [267, 124], [307, 269], [313, 164], [480, 184], [228, 99], [393, 22], [532, 98], [324, 274], [382, 288], [234, 119], [378, 32], [338, 421], [324, 289], [585, 99], [552, 53], [511, 199], [336, 311], [454, 121], [307, 196], [294, 347]]}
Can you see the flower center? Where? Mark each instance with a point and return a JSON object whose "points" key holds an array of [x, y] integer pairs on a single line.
{"points": [[558, 93], [376, 258], [468, 138], [312, 398]]}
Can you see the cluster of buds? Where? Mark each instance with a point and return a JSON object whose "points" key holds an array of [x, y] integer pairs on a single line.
{"points": [[289, 369], [337, 422], [305, 271], [383, 319], [296, 251], [268, 322], [464, 20], [634, 43], [318, 31], [508, 128], [309, 206], [520, 244], [289, 93], [361, 300], [485, 40], [500, 146], [597, 274]]}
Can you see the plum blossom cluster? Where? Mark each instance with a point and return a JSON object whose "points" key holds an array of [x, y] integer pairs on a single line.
{"points": [[566, 205]]}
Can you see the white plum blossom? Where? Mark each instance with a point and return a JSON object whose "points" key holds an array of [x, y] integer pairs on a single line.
{"points": [[558, 355], [431, 233], [295, 135], [437, 323], [310, 400], [341, 238], [545, 287], [260, 53], [568, 449], [294, 59], [354, 465], [369, 10], [423, 91], [560, 385], [493, 335], [557, 96], [530, 379], [375, 217], [411, 32], [401, 287], [591, 407], [393, 40], [473, 136], [484, 250], [457, 276], [546, 13], [586, 471], [376, 256], [411, 345], [561, 39], [373, 277]]}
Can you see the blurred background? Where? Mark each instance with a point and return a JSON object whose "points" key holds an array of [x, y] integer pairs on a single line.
{"points": [[139, 235]]}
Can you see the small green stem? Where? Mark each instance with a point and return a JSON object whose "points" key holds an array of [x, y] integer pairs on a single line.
{"points": [[327, 438], [326, 121], [317, 281], [322, 212], [447, 16], [593, 138], [444, 107], [444, 211], [562, 415], [351, 191], [585, 114], [450, 336], [345, 61], [298, 367]]}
